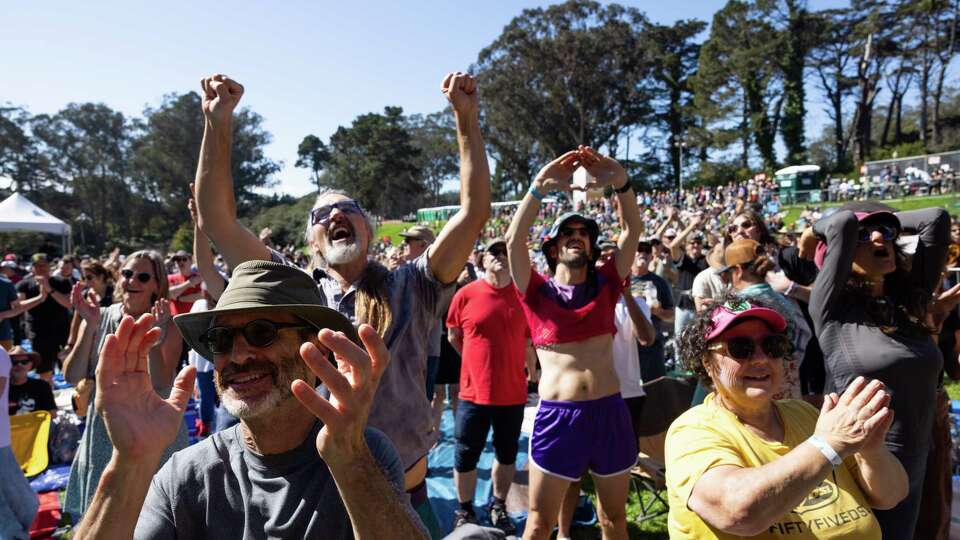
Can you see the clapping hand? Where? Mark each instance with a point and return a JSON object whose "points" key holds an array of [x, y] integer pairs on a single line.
{"points": [[461, 91], [161, 312], [856, 421], [87, 304], [220, 97], [352, 384], [141, 424]]}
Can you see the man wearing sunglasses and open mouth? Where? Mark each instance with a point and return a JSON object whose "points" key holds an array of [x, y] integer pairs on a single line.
{"points": [[401, 304], [298, 465]]}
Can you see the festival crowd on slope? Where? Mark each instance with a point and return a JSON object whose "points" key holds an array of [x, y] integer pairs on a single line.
{"points": [[818, 353]]}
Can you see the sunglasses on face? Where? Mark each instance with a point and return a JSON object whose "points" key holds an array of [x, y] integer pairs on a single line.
{"points": [[411, 240], [497, 252], [23, 362], [864, 234], [89, 277], [321, 214], [742, 347], [142, 277], [180, 259], [570, 231], [743, 226], [259, 333], [645, 250]]}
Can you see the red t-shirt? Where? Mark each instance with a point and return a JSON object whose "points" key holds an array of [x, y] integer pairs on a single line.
{"points": [[566, 313], [177, 307], [494, 344]]}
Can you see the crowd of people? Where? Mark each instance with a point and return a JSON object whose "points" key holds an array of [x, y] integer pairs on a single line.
{"points": [[819, 354]]}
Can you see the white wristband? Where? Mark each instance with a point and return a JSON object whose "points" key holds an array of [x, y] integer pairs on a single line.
{"points": [[825, 449]]}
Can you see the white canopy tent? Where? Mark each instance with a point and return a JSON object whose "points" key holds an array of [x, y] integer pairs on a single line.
{"points": [[19, 214]]}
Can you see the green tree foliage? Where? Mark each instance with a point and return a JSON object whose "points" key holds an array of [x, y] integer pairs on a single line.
{"points": [[376, 161], [312, 154], [435, 136], [569, 74], [739, 73], [674, 54]]}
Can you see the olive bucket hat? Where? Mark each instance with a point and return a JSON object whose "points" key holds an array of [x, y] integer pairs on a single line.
{"points": [[265, 286]]}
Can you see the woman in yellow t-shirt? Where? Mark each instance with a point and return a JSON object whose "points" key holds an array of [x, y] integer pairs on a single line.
{"points": [[744, 465]]}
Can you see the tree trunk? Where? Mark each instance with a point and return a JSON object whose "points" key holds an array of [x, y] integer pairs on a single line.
{"points": [[925, 67]]}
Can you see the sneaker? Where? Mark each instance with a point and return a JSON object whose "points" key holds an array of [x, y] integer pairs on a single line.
{"points": [[500, 519], [462, 517]]}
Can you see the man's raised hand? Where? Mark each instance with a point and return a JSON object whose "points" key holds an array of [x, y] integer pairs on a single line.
{"points": [[461, 91], [352, 384], [605, 170], [140, 423], [221, 94], [86, 304], [555, 176]]}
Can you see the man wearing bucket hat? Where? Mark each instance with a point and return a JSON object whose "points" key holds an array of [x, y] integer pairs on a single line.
{"points": [[401, 304], [582, 422], [298, 465]]}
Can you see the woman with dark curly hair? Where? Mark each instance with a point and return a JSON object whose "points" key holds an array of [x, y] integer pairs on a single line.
{"points": [[745, 464], [869, 306]]}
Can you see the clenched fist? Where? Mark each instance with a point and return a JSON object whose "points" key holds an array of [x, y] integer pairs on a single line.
{"points": [[221, 94], [461, 91]]}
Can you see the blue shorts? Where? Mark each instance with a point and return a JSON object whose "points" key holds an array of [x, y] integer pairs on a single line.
{"points": [[571, 437]]}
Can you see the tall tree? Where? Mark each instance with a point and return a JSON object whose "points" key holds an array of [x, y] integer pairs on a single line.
{"points": [[797, 35], [739, 71], [674, 53], [561, 76], [376, 161], [435, 136], [874, 41], [20, 157], [89, 146], [313, 154], [166, 149], [832, 59]]}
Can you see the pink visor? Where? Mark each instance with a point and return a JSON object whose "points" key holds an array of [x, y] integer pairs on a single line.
{"points": [[726, 314]]}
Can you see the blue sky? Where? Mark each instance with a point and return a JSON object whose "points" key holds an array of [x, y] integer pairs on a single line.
{"points": [[308, 67]]}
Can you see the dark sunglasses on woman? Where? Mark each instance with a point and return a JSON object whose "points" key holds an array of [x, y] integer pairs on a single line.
{"points": [[743, 347], [321, 214], [865, 233], [259, 333], [142, 277]]}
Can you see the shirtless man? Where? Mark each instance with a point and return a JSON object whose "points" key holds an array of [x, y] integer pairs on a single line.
{"points": [[571, 319]]}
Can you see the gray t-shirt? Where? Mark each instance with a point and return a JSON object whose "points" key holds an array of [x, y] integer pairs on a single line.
{"points": [[908, 363], [219, 488]]}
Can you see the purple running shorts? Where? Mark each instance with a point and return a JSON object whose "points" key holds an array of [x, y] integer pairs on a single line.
{"points": [[571, 437]]}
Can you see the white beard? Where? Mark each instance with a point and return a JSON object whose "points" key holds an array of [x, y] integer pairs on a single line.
{"points": [[340, 254], [243, 409]]}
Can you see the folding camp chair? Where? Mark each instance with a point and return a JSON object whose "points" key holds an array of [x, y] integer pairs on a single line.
{"points": [[29, 435], [667, 398]]}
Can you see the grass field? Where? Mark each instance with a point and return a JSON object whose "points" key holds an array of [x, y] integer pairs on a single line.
{"points": [[392, 229], [908, 203]]}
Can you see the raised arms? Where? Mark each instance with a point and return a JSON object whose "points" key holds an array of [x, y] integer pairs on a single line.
{"points": [[455, 242]]}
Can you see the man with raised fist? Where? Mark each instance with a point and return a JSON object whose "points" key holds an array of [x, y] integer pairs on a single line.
{"points": [[401, 304]]}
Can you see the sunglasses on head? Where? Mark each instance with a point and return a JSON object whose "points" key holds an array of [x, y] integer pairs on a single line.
{"points": [[259, 333], [865, 233], [142, 277], [497, 251], [743, 347], [321, 214]]}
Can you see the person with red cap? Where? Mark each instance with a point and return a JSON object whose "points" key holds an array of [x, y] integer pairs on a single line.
{"points": [[746, 464], [582, 422], [869, 306]]}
